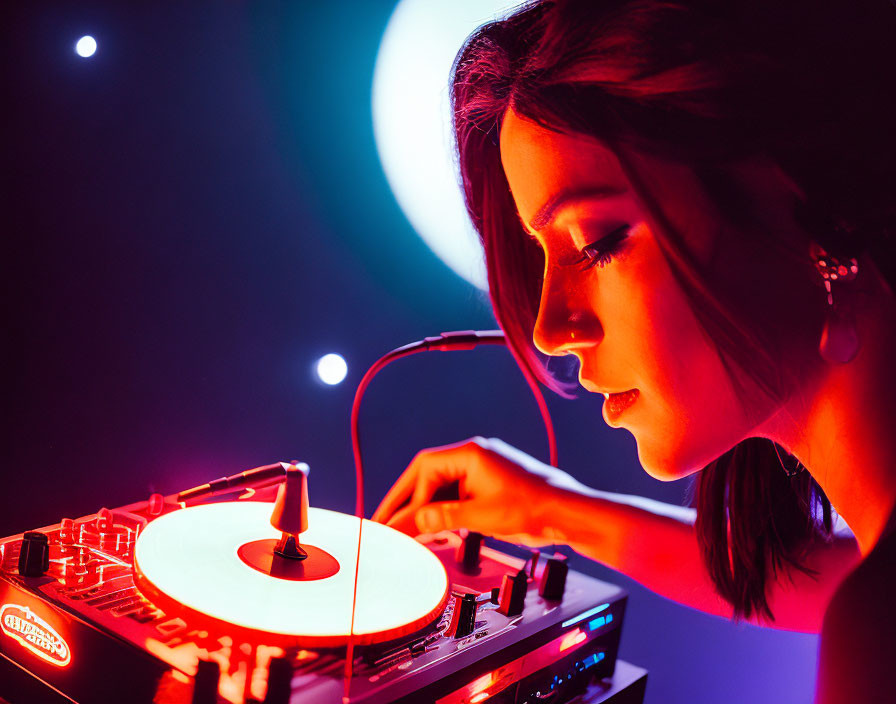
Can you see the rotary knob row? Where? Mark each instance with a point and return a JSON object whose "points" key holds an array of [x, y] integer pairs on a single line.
{"points": [[553, 576], [511, 596]]}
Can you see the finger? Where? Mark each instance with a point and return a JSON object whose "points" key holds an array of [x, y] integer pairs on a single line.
{"points": [[450, 515], [398, 495], [403, 520], [426, 491], [442, 477], [426, 464], [530, 541], [429, 487]]}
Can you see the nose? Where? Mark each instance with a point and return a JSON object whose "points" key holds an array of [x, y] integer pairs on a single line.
{"points": [[566, 321]]}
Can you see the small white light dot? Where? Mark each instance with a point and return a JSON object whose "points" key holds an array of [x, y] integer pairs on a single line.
{"points": [[331, 368], [86, 46]]}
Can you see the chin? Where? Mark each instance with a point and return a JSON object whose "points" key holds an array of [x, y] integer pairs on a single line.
{"points": [[667, 462]]}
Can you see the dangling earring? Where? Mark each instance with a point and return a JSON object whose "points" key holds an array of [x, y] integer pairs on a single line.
{"points": [[839, 338], [793, 470]]}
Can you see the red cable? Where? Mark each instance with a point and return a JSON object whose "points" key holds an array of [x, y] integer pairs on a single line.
{"points": [[447, 341]]}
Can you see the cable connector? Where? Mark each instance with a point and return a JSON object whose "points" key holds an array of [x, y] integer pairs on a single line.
{"points": [[463, 340]]}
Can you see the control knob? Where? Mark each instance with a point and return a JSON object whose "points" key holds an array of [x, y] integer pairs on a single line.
{"points": [[34, 558], [553, 577], [205, 683], [512, 597], [463, 619], [468, 551], [279, 682]]}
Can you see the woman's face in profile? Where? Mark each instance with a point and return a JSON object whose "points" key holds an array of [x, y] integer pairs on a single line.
{"points": [[610, 298]]}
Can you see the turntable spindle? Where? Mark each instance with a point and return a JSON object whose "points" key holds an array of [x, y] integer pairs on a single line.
{"points": [[290, 515]]}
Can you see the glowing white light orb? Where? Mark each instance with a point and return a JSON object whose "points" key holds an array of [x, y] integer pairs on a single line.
{"points": [[331, 368], [85, 46], [412, 122]]}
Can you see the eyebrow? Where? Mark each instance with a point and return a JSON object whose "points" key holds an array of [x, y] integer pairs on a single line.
{"points": [[548, 211]]}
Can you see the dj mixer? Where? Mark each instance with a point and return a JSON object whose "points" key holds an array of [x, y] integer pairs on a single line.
{"points": [[237, 591]]}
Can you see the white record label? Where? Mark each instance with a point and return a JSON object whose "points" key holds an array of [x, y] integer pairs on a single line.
{"points": [[190, 555]]}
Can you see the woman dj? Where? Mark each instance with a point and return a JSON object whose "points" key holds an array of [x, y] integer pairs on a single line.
{"points": [[696, 200]]}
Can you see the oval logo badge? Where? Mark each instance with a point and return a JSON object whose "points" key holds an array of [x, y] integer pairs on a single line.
{"points": [[34, 633]]}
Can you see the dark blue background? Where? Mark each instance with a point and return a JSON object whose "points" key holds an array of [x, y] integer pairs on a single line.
{"points": [[196, 214]]}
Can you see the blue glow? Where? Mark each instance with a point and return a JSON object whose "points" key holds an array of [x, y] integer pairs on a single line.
{"points": [[592, 660], [599, 621], [583, 616], [596, 623]]}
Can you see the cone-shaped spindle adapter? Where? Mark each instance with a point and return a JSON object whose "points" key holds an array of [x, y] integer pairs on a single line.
{"points": [[291, 507]]}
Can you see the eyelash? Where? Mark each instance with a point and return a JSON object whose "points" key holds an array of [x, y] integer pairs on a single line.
{"points": [[601, 252]]}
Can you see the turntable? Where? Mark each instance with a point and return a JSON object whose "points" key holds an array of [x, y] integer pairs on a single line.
{"points": [[238, 591]]}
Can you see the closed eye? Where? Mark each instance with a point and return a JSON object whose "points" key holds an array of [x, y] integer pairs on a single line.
{"points": [[601, 252]]}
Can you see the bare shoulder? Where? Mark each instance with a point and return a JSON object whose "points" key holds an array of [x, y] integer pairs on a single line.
{"points": [[857, 656]]}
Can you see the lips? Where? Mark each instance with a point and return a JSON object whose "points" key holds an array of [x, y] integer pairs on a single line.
{"points": [[616, 404]]}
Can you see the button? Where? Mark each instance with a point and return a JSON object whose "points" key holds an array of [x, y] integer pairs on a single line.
{"points": [[553, 578], [205, 684], [533, 562], [104, 520], [467, 554], [463, 619], [155, 505], [145, 615], [513, 594], [66, 530], [279, 682], [34, 559]]}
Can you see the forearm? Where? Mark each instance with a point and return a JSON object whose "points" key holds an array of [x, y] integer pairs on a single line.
{"points": [[651, 542], [655, 544]]}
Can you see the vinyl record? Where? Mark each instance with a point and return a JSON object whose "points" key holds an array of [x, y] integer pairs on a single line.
{"points": [[191, 559]]}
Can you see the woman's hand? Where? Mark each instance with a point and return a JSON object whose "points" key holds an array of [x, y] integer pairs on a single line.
{"points": [[506, 493], [501, 491]]}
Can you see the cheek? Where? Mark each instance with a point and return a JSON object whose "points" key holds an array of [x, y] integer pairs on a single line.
{"points": [[686, 370], [691, 414], [672, 351]]}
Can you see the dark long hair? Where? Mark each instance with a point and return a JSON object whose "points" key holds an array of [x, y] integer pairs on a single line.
{"points": [[705, 84]]}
